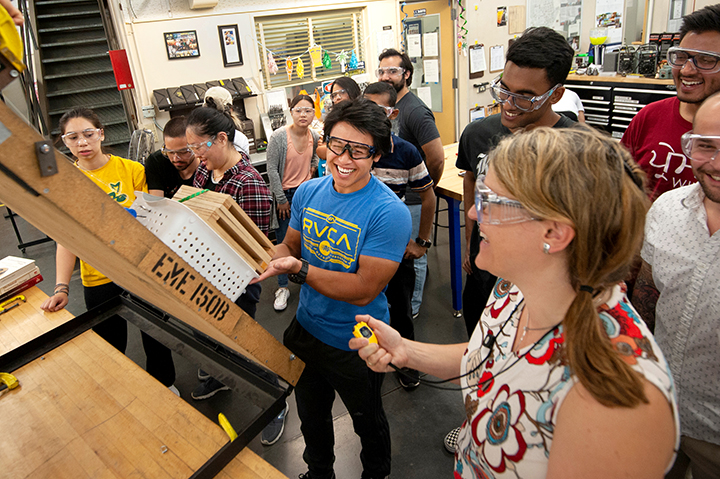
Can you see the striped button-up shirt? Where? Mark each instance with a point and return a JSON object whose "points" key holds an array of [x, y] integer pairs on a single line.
{"points": [[685, 262]]}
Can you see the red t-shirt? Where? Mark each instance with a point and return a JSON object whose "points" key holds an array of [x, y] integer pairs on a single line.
{"points": [[653, 138]]}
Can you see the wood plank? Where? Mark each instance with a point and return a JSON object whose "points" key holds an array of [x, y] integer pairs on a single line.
{"points": [[71, 209]]}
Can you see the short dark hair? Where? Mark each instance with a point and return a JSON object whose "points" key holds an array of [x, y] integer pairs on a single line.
{"points": [[382, 88], [79, 112], [404, 62], [349, 85], [300, 98], [365, 116], [207, 120], [175, 128], [543, 47], [704, 20]]}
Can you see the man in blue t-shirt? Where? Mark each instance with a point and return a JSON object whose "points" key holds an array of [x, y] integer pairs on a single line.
{"points": [[348, 233], [399, 169]]}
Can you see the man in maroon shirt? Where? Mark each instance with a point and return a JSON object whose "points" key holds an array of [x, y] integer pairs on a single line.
{"points": [[653, 136]]}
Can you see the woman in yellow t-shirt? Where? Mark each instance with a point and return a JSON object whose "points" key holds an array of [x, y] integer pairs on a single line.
{"points": [[82, 132]]}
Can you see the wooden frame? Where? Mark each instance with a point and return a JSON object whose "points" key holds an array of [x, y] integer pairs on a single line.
{"points": [[180, 45], [230, 45]]}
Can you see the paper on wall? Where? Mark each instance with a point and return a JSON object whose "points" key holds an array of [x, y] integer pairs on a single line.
{"points": [[385, 40], [425, 94], [432, 73], [497, 58], [414, 48], [477, 60], [430, 44]]}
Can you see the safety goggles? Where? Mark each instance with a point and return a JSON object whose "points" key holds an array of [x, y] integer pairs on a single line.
{"points": [[338, 95], [706, 62], [389, 71], [183, 153], [521, 102], [90, 135], [700, 147], [201, 148], [493, 209], [356, 150]]}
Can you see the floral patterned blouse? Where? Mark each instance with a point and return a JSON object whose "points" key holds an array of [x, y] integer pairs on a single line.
{"points": [[513, 399]]}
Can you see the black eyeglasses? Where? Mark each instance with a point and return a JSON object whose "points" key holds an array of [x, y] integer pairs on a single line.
{"points": [[356, 150]]}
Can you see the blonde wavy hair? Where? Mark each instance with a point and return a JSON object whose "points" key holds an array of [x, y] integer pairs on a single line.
{"points": [[583, 178]]}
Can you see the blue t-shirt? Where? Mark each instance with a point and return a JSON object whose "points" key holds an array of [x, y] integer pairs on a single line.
{"points": [[402, 168], [335, 230]]}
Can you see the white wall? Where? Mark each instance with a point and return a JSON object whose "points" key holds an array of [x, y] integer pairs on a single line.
{"points": [[152, 69]]}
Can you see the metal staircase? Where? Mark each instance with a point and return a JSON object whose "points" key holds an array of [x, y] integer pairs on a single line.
{"points": [[76, 68]]}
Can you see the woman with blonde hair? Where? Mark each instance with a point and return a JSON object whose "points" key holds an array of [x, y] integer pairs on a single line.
{"points": [[561, 377]]}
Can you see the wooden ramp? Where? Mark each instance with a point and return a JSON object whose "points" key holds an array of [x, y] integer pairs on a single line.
{"points": [[68, 207]]}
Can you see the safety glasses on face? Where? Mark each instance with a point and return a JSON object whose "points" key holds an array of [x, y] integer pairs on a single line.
{"points": [[706, 62], [521, 102], [389, 71], [356, 150], [700, 147], [303, 111], [201, 148], [493, 209], [90, 135], [183, 153], [388, 110], [338, 95]]}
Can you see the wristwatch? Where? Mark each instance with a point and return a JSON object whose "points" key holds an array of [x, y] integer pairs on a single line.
{"points": [[423, 243], [301, 275]]}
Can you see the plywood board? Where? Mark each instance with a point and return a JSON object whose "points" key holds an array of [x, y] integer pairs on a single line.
{"points": [[69, 208]]}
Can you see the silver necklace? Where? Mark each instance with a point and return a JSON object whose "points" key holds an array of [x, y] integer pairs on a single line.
{"points": [[527, 328]]}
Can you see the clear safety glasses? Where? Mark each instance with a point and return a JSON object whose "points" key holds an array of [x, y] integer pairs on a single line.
{"points": [[522, 102], [706, 62], [493, 209], [90, 135], [700, 147]]}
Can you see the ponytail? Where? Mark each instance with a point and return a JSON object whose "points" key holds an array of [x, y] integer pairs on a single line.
{"points": [[226, 109], [209, 121]]}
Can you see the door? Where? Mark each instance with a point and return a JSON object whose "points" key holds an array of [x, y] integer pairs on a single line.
{"points": [[432, 20]]}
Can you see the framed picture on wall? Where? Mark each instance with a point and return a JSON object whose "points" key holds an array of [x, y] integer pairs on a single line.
{"points": [[181, 44], [230, 45]]}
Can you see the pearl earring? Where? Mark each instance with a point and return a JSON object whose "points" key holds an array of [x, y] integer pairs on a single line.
{"points": [[546, 248]]}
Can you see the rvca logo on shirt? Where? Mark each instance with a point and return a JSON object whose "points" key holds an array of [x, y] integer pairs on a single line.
{"points": [[329, 238]]}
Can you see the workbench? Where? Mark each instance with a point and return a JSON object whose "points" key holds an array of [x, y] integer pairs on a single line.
{"points": [[86, 410]]}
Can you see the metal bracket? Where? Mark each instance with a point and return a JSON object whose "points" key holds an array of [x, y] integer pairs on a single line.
{"points": [[46, 158], [481, 86]]}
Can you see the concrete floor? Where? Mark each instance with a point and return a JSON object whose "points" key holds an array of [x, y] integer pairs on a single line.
{"points": [[418, 419]]}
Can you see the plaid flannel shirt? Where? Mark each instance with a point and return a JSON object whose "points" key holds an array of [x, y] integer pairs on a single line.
{"points": [[246, 186]]}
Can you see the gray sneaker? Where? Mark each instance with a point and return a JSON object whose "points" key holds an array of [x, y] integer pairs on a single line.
{"points": [[273, 431]]}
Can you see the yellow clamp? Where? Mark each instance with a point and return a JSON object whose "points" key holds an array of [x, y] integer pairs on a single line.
{"points": [[225, 424], [9, 380], [19, 297]]}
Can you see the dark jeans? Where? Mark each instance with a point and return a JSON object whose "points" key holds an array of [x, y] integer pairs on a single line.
{"points": [[280, 232], [327, 370], [114, 330], [399, 295], [478, 288]]}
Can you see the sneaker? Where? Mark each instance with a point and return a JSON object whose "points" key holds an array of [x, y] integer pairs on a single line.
{"points": [[307, 475], [451, 440], [281, 298], [409, 378], [415, 315], [174, 390], [272, 432], [208, 389], [202, 375]]}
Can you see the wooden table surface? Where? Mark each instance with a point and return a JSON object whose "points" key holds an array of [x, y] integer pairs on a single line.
{"points": [[86, 410], [451, 183]]}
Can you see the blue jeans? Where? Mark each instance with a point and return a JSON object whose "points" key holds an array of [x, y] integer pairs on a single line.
{"points": [[280, 232], [420, 263]]}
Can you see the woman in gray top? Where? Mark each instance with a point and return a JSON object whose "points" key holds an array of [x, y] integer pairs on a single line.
{"points": [[291, 160]]}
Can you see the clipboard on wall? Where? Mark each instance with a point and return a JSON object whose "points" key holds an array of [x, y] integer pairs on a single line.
{"points": [[476, 59]]}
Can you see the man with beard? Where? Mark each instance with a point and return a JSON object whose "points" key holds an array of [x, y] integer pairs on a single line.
{"points": [[678, 289], [653, 136], [415, 124], [536, 66], [174, 164]]}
